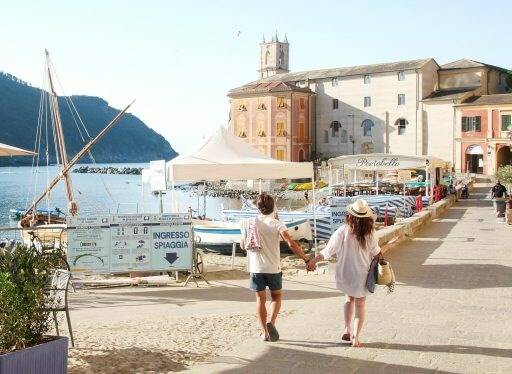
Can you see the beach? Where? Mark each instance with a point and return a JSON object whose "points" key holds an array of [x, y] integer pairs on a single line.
{"points": [[164, 328]]}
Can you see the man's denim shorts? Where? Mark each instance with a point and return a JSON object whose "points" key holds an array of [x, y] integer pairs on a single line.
{"points": [[260, 281]]}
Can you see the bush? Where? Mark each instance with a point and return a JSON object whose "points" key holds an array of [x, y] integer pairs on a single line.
{"points": [[25, 277], [504, 175]]}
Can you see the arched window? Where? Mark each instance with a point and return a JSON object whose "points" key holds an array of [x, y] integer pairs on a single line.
{"points": [[301, 155], [401, 125], [343, 136], [267, 55], [367, 125], [335, 128]]}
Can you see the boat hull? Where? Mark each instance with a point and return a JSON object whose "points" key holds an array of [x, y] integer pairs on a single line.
{"points": [[226, 233], [51, 235]]}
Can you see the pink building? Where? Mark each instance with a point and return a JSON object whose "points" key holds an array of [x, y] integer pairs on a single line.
{"points": [[274, 118]]}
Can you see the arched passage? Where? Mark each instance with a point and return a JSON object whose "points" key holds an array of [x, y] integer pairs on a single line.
{"points": [[301, 155], [504, 156]]}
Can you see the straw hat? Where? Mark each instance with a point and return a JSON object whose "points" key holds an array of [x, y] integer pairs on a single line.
{"points": [[360, 209]]}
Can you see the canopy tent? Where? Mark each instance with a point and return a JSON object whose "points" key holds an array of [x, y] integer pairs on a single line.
{"points": [[223, 156], [227, 157], [9, 150], [386, 161]]}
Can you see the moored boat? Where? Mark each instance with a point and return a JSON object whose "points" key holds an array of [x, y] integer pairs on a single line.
{"points": [[218, 233]]}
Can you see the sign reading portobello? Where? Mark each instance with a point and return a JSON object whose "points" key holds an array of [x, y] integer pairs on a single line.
{"points": [[381, 161], [130, 242]]}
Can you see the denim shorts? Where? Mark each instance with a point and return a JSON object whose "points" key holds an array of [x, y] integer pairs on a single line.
{"points": [[260, 281]]}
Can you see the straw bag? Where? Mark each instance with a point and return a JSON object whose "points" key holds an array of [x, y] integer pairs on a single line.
{"points": [[385, 275]]}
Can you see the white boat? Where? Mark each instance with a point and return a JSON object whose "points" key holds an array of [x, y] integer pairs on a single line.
{"points": [[382, 206], [226, 233]]}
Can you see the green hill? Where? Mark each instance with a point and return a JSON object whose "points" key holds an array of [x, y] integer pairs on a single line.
{"points": [[130, 140]]}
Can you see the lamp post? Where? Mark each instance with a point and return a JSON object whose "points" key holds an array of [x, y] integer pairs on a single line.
{"points": [[352, 137]]}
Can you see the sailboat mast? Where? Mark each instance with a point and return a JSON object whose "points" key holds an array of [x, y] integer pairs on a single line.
{"points": [[59, 135], [77, 157]]}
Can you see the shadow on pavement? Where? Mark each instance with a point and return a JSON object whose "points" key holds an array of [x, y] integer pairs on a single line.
{"points": [[458, 349], [285, 360], [409, 259]]}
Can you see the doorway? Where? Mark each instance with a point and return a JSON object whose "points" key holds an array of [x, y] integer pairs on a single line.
{"points": [[475, 159]]}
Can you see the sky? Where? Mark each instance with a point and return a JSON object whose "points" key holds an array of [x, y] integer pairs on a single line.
{"points": [[178, 59]]}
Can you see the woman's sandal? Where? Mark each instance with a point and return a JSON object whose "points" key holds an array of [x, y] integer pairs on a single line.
{"points": [[346, 338]]}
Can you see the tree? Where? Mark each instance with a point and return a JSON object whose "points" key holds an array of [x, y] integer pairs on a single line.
{"points": [[504, 175]]}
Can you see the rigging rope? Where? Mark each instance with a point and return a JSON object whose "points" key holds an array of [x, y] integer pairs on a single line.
{"points": [[73, 111]]}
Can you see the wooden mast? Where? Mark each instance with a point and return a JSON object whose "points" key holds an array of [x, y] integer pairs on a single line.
{"points": [[61, 143], [77, 157]]}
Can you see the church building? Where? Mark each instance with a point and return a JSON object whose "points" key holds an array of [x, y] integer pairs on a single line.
{"points": [[402, 107]]}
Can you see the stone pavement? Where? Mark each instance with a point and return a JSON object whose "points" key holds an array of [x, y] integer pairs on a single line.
{"points": [[451, 311]]}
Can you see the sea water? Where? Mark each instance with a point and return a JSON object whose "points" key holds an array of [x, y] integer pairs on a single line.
{"points": [[95, 193]]}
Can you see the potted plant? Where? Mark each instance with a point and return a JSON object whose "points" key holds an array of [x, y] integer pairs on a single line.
{"points": [[25, 279]]}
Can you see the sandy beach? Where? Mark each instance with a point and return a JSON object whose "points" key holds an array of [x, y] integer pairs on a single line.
{"points": [[154, 329]]}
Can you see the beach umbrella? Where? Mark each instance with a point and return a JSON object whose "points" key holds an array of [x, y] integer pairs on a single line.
{"points": [[9, 150]]}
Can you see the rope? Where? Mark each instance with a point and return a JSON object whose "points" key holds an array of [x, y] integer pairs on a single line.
{"points": [[73, 110]]}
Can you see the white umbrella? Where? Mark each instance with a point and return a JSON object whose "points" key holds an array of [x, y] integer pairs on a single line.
{"points": [[9, 150]]}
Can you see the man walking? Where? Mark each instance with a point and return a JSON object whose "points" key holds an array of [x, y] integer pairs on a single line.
{"points": [[263, 256], [499, 195]]}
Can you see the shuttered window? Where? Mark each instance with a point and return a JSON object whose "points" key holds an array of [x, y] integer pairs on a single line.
{"points": [[506, 121], [471, 124], [280, 130]]}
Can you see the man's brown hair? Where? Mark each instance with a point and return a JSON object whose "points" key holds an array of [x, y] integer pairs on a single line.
{"points": [[265, 203]]}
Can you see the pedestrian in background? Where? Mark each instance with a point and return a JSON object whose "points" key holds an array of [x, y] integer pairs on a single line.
{"points": [[499, 195]]}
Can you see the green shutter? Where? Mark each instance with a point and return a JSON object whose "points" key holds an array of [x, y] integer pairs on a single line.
{"points": [[506, 121], [477, 124], [464, 124]]}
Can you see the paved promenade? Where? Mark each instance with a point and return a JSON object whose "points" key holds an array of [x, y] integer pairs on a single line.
{"points": [[451, 311]]}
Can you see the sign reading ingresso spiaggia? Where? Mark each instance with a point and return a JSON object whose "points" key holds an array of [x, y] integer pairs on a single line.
{"points": [[130, 242]]}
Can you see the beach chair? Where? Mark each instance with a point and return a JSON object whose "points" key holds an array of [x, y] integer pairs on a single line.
{"points": [[58, 298]]}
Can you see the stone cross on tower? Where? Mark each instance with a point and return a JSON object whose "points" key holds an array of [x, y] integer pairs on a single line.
{"points": [[274, 57]]}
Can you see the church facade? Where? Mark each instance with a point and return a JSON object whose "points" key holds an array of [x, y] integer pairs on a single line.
{"points": [[404, 107]]}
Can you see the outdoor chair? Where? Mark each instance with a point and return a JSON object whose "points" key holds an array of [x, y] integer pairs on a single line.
{"points": [[58, 298]]}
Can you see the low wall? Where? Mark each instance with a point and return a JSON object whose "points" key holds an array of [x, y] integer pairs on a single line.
{"points": [[410, 226]]}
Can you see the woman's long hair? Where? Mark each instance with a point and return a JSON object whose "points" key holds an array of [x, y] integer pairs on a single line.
{"points": [[360, 227]]}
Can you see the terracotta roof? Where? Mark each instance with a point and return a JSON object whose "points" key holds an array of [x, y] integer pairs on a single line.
{"points": [[497, 99], [468, 64], [454, 94], [273, 86], [288, 78], [350, 70]]}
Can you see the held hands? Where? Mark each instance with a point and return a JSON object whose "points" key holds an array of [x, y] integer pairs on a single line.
{"points": [[311, 265]]}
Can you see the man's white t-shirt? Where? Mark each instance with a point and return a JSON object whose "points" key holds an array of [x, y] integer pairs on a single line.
{"points": [[268, 258]]}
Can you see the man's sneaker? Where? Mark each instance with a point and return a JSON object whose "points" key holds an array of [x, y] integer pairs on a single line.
{"points": [[273, 335], [264, 337]]}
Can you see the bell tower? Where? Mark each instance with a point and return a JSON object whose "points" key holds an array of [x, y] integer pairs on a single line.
{"points": [[274, 57]]}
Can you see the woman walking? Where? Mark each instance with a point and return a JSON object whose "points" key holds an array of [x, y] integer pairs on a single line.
{"points": [[355, 245]]}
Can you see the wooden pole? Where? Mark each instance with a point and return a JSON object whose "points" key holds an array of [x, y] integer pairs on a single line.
{"points": [[59, 134]]}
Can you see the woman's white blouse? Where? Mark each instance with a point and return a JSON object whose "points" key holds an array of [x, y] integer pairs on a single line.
{"points": [[352, 262]]}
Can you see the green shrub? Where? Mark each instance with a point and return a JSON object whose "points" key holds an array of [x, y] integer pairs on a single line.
{"points": [[25, 277], [504, 175]]}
